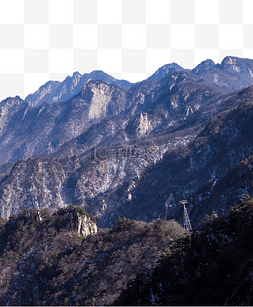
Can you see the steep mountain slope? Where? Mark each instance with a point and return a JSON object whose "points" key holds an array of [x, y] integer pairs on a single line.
{"points": [[28, 131], [24, 127], [133, 169], [191, 164], [54, 91], [37, 183]]}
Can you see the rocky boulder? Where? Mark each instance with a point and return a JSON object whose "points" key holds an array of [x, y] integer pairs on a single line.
{"points": [[75, 218], [84, 225]]}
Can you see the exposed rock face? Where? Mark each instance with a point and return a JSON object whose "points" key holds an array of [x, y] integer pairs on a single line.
{"points": [[37, 183], [39, 217], [103, 99], [84, 225]]}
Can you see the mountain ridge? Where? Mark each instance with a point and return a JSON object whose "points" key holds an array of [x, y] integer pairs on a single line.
{"points": [[54, 91], [132, 147]]}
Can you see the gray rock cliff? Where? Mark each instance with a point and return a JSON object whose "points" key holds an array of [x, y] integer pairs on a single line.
{"points": [[84, 225]]}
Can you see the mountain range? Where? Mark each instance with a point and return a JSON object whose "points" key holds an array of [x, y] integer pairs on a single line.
{"points": [[120, 149], [231, 74]]}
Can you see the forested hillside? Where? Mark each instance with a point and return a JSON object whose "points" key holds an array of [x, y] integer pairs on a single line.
{"points": [[213, 266], [44, 260]]}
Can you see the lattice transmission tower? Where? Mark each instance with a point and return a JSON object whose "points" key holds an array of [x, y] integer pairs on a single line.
{"points": [[186, 220]]}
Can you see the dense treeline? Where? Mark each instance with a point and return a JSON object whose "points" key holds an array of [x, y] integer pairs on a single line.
{"points": [[213, 266]]}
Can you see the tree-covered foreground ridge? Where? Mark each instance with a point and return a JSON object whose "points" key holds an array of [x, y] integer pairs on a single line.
{"points": [[213, 266], [44, 260]]}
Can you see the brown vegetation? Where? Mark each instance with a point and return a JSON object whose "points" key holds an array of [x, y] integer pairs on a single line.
{"points": [[45, 262]]}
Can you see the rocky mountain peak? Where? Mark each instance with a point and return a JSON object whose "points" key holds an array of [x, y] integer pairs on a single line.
{"points": [[237, 64], [76, 74], [76, 77], [233, 73], [12, 101], [231, 62], [228, 61], [165, 70], [205, 65]]}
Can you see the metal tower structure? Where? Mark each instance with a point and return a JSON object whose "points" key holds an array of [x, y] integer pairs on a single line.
{"points": [[186, 220]]}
